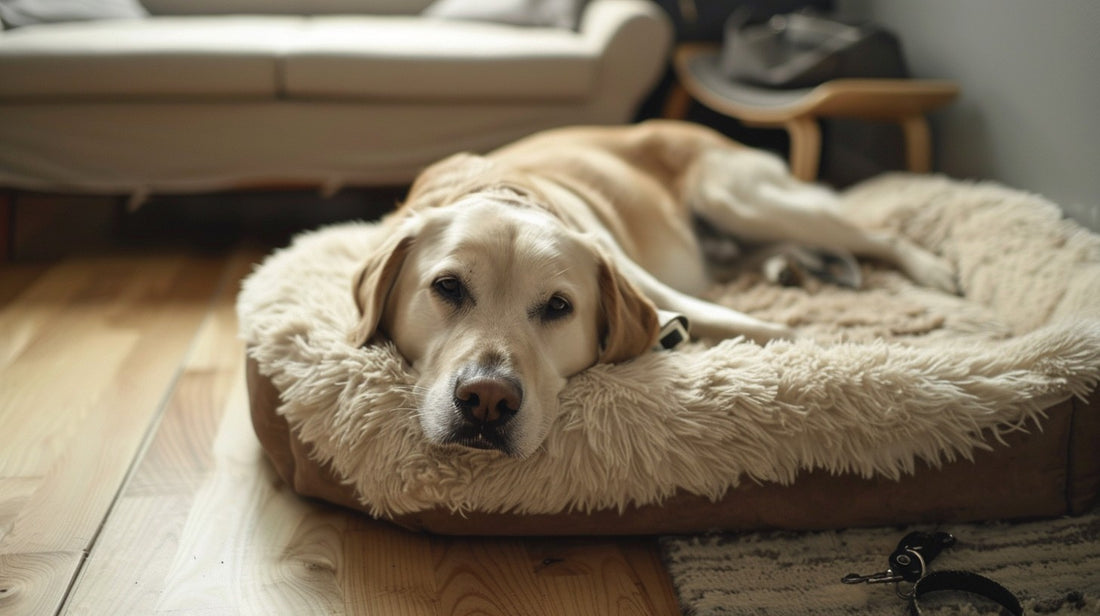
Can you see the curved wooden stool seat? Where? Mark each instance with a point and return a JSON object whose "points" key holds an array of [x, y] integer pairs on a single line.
{"points": [[905, 101]]}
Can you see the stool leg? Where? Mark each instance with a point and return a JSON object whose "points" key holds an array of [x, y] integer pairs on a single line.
{"points": [[677, 103], [918, 143], [805, 147]]}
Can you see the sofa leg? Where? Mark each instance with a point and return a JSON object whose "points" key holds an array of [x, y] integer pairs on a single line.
{"points": [[7, 225]]}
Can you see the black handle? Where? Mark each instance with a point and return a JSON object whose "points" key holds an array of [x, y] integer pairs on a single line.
{"points": [[915, 551]]}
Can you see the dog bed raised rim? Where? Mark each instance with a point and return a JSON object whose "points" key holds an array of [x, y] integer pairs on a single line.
{"points": [[899, 404]]}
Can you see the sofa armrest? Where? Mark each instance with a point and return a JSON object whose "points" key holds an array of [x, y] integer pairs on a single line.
{"points": [[633, 38]]}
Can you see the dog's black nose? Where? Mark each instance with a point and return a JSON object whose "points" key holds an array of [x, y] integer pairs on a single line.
{"points": [[487, 400]]}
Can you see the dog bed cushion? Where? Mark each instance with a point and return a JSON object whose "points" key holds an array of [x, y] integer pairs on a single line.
{"points": [[886, 382]]}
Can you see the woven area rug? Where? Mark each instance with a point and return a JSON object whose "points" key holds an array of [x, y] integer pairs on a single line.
{"points": [[1053, 566]]}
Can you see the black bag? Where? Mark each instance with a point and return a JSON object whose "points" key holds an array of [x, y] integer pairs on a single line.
{"points": [[802, 50]]}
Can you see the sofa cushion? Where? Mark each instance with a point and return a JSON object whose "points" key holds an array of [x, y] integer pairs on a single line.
{"points": [[285, 7], [16, 13], [411, 58], [173, 57], [539, 13]]}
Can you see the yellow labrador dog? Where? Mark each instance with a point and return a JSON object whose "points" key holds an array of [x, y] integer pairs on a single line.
{"points": [[503, 275]]}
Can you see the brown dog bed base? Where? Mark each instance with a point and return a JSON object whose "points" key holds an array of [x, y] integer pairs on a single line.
{"points": [[900, 404]]}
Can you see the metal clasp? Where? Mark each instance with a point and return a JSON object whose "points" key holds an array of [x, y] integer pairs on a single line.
{"points": [[884, 577], [908, 562]]}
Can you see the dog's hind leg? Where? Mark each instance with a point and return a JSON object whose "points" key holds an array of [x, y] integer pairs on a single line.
{"points": [[751, 195]]}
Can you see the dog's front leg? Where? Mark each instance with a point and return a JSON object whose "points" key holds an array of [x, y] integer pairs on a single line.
{"points": [[706, 319]]}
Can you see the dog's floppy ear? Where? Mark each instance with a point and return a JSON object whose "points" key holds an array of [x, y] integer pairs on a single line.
{"points": [[372, 284], [628, 323]]}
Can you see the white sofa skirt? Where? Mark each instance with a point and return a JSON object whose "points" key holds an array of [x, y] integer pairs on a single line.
{"points": [[141, 148]]}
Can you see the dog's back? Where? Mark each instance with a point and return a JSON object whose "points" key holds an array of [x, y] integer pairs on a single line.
{"points": [[652, 158]]}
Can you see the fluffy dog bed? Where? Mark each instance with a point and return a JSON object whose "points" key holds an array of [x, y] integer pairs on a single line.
{"points": [[900, 404]]}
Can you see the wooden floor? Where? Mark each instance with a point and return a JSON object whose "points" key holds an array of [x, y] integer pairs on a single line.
{"points": [[131, 481]]}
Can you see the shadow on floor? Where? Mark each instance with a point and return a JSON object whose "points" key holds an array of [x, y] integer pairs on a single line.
{"points": [[52, 226]]}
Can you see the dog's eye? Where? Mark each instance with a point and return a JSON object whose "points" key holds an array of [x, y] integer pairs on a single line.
{"points": [[450, 289], [556, 308]]}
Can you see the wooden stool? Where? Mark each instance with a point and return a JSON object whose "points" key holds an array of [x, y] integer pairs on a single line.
{"points": [[905, 101]]}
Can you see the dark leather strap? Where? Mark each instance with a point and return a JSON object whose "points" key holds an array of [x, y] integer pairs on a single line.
{"points": [[967, 582]]}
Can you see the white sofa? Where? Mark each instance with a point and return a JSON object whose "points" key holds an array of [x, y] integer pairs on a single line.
{"points": [[211, 94]]}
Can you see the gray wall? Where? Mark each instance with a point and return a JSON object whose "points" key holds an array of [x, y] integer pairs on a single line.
{"points": [[1029, 113]]}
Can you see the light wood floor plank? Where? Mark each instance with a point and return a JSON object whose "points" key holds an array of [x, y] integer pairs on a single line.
{"points": [[389, 571], [590, 578], [46, 401], [75, 293], [248, 546], [129, 579], [487, 576], [124, 573], [99, 342], [644, 559], [35, 583], [30, 305]]}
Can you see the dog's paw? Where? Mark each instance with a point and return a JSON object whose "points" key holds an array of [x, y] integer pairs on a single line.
{"points": [[932, 271]]}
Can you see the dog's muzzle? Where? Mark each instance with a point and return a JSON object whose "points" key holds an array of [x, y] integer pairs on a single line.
{"points": [[485, 402]]}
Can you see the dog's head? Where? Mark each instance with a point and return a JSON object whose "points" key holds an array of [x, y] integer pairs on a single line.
{"points": [[495, 303]]}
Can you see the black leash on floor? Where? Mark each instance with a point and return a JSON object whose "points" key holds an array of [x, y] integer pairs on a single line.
{"points": [[909, 563]]}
